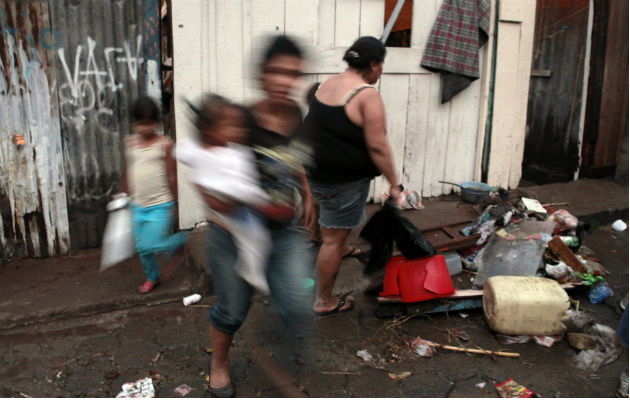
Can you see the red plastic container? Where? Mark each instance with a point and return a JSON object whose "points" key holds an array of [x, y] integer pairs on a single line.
{"points": [[418, 279]]}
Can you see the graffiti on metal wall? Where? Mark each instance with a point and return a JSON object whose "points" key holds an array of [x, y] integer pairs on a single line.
{"points": [[89, 85]]}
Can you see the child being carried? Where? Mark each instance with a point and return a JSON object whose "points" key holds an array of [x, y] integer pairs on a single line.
{"points": [[224, 168]]}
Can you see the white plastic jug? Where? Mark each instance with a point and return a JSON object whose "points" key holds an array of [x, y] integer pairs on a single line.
{"points": [[524, 305]]}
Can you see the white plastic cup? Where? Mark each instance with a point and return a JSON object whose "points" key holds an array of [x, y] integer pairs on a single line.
{"points": [[193, 298], [619, 225]]}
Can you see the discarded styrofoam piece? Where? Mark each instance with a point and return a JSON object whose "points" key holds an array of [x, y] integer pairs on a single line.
{"points": [[193, 298], [365, 355], [142, 388], [619, 225]]}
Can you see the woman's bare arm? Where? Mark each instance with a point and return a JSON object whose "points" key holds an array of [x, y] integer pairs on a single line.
{"points": [[373, 115]]}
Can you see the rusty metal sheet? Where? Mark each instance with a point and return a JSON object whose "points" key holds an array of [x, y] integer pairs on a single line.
{"points": [[69, 71], [32, 181]]}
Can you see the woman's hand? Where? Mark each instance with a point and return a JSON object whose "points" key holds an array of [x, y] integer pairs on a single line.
{"points": [[394, 193]]}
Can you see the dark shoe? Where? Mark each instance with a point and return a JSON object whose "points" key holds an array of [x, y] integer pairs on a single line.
{"points": [[225, 391], [339, 308]]}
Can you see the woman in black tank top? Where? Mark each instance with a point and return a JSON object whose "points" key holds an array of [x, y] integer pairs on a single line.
{"points": [[345, 127]]}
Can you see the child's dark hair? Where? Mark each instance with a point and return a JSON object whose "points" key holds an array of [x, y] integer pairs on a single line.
{"points": [[363, 51], [144, 108], [208, 110], [281, 45]]}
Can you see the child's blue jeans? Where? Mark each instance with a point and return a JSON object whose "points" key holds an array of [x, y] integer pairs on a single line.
{"points": [[152, 231]]}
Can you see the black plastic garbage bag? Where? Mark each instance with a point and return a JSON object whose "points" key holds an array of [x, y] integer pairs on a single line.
{"points": [[386, 226]]}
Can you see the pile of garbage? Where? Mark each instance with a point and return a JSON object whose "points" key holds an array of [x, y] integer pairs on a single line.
{"points": [[525, 257], [522, 237]]}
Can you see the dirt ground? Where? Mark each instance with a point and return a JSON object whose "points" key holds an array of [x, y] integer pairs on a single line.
{"points": [[93, 356]]}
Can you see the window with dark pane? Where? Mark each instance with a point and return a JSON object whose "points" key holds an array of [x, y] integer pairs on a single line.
{"points": [[400, 35]]}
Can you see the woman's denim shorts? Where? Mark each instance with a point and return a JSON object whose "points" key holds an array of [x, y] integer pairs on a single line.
{"points": [[341, 205]]}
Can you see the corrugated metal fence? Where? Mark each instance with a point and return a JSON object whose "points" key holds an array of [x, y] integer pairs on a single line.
{"points": [[69, 72]]}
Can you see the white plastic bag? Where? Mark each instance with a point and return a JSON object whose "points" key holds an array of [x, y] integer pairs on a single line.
{"points": [[118, 241]]}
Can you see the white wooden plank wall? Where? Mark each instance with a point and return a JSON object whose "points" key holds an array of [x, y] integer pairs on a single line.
{"points": [[516, 25], [194, 71], [347, 21], [372, 17], [326, 23], [218, 43], [394, 90]]}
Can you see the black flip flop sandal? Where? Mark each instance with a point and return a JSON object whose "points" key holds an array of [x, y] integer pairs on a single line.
{"points": [[338, 309]]}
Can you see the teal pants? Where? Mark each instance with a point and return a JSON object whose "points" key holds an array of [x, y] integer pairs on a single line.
{"points": [[152, 231]]}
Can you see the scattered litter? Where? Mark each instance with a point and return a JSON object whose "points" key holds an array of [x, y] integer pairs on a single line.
{"points": [[485, 230], [558, 271], [25, 395], [607, 349], [422, 347], [402, 375], [453, 262], [533, 205], [589, 279], [581, 341], [566, 255], [365, 355], [157, 357], [208, 350], [182, 390], [577, 321], [481, 385], [193, 298], [513, 339], [208, 378], [179, 320], [463, 315], [142, 388], [566, 219], [619, 225], [469, 259], [546, 341], [599, 293], [571, 241], [375, 362], [508, 257], [511, 389]]}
